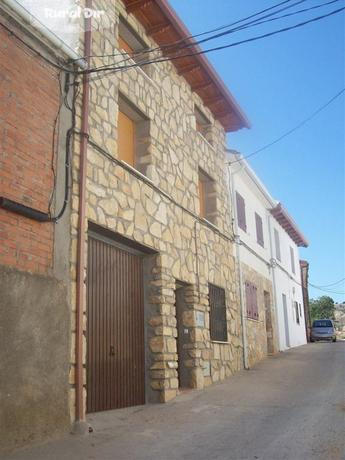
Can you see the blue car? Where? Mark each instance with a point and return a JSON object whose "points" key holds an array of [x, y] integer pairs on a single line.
{"points": [[323, 329]]}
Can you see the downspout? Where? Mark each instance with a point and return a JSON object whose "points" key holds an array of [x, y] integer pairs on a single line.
{"points": [[239, 268], [275, 297], [80, 424]]}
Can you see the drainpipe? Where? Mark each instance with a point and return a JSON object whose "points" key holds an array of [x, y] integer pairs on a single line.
{"points": [[239, 268], [273, 265], [80, 424]]}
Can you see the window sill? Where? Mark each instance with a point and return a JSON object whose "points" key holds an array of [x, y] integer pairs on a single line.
{"points": [[209, 223], [134, 171], [201, 136], [220, 342], [140, 69], [254, 320]]}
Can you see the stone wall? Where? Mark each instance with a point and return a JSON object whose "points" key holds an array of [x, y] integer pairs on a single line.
{"points": [[258, 330], [160, 210]]}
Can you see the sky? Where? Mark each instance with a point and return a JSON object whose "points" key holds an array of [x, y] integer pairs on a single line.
{"points": [[278, 82]]}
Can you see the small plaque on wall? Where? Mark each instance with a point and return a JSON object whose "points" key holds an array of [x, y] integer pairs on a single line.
{"points": [[200, 319]]}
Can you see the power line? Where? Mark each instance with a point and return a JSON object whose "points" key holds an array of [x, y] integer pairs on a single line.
{"points": [[327, 291], [332, 284], [247, 25], [112, 69], [137, 55], [190, 37], [287, 133]]}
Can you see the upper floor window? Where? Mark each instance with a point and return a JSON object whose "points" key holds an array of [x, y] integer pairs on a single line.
{"points": [[207, 197], [251, 300], [241, 212], [130, 42], [292, 257], [133, 135], [297, 312], [218, 323], [202, 123], [277, 244], [259, 230]]}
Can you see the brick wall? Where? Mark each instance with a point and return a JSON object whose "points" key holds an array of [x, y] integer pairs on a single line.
{"points": [[29, 100]]}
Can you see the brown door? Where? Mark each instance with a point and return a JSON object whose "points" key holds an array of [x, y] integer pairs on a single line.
{"points": [[182, 338], [115, 327], [269, 325]]}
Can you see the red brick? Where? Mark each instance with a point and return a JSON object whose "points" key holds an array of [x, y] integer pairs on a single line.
{"points": [[29, 104]]}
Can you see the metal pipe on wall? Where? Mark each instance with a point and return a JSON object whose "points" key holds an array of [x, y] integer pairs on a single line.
{"points": [[80, 289]]}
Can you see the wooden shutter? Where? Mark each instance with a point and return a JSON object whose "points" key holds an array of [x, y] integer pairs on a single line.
{"points": [[126, 140], [241, 212], [277, 244], [259, 230], [251, 300], [255, 302], [125, 46], [248, 299], [292, 256], [218, 323], [202, 197]]}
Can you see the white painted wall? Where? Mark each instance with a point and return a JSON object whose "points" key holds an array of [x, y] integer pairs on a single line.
{"points": [[257, 199], [288, 283]]}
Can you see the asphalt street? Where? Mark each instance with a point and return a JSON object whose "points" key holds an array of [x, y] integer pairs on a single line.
{"points": [[288, 407]]}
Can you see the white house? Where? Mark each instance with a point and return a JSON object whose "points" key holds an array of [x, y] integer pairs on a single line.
{"points": [[268, 265]]}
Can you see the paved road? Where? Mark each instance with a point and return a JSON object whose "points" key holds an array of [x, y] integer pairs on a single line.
{"points": [[289, 407]]}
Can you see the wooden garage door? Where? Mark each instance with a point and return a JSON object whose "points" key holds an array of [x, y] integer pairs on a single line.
{"points": [[115, 327]]}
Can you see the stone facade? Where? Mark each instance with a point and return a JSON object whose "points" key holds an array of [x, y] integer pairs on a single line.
{"points": [[158, 208], [261, 339]]}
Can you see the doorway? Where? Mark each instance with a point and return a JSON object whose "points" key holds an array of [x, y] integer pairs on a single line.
{"points": [[286, 321], [269, 326], [115, 326], [183, 336]]}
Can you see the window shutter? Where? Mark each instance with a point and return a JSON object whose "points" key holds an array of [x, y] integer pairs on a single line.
{"points": [[218, 323], [277, 244], [202, 197], [125, 46], [259, 230], [126, 138], [255, 303], [241, 212], [292, 255], [248, 300]]}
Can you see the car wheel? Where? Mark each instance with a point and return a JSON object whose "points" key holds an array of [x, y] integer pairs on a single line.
{"points": [[335, 339]]}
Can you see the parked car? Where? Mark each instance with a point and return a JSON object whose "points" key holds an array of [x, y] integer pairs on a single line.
{"points": [[323, 329]]}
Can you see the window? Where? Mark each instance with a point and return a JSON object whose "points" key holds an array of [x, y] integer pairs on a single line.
{"points": [[292, 257], [202, 123], [251, 301], [207, 197], [241, 212], [296, 312], [218, 323], [277, 244], [300, 310], [133, 136], [130, 42], [259, 230], [126, 139]]}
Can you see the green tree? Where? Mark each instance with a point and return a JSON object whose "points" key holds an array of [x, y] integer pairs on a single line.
{"points": [[323, 307]]}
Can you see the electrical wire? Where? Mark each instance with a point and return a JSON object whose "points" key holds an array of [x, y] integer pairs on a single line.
{"points": [[328, 285], [327, 291], [287, 133], [194, 43], [112, 69], [31, 48]]}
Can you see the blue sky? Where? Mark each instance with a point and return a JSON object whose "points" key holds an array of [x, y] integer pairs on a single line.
{"points": [[278, 82]]}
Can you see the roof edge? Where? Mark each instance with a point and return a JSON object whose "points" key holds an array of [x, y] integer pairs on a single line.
{"points": [[286, 221]]}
